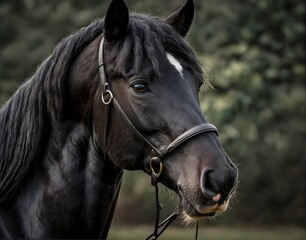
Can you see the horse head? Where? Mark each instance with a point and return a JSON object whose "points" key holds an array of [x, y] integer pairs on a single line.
{"points": [[155, 78]]}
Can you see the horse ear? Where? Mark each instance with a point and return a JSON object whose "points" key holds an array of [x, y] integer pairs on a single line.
{"points": [[181, 20], [116, 20]]}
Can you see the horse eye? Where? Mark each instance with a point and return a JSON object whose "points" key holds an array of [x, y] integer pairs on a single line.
{"points": [[140, 87]]}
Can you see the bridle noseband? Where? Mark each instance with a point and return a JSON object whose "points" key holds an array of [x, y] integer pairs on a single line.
{"points": [[155, 162]]}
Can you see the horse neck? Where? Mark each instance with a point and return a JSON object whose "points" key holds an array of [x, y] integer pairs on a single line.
{"points": [[71, 167], [85, 166], [66, 153]]}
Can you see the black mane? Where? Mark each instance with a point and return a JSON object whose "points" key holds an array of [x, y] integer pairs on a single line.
{"points": [[27, 118]]}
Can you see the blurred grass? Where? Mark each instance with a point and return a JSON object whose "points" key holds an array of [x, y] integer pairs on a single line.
{"points": [[210, 233]]}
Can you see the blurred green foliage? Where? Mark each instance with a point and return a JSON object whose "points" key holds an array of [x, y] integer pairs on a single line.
{"points": [[254, 51], [258, 71]]}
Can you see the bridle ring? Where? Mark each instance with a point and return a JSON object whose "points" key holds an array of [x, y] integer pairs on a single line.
{"points": [[160, 167], [110, 99]]}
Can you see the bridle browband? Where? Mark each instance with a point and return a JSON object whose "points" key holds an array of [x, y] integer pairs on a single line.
{"points": [[155, 163]]}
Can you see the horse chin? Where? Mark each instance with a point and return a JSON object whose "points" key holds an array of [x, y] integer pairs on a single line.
{"points": [[191, 217], [192, 211], [195, 214]]}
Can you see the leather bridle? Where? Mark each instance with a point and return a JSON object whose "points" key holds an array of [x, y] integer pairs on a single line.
{"points": [[155, 162]]}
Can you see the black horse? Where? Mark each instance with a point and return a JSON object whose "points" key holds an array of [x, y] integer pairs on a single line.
{"points": [[63, 151]]}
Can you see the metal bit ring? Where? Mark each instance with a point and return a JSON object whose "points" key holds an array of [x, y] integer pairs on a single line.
{"points": [[160, 167]]}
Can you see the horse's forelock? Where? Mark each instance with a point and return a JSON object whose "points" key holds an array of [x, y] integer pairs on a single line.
{"points": [[149, 37]]}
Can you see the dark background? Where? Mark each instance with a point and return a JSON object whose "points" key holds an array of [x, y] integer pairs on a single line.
{"points": [[254, 51]]}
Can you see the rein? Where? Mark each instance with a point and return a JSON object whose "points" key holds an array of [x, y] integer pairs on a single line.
{"points": [[155, 163]]}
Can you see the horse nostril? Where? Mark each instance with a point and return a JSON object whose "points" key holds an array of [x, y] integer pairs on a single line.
{"points": [[215, 182], [209, 185]]}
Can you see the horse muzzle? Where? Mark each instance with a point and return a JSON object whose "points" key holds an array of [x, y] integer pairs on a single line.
{"points": [[213, 194]]}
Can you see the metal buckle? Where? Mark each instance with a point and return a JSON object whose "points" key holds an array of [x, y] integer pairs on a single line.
{"points": [[160, 166], [108, 93]]}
